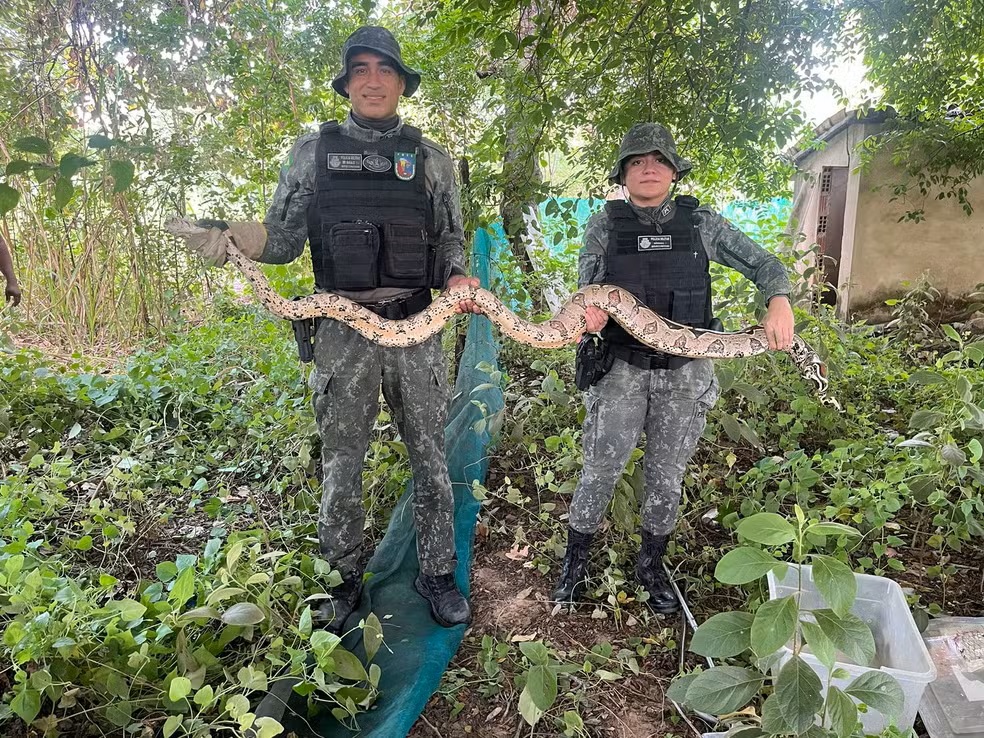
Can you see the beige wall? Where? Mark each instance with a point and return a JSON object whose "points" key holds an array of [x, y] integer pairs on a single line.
{"points": [[948, 244]]}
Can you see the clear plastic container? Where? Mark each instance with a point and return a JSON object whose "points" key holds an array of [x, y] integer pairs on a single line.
{"points": [[954, 704], [899, 649]]}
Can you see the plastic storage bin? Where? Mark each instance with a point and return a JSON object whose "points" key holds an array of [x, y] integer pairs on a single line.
{"points": [[953, 706], [899, 649]]}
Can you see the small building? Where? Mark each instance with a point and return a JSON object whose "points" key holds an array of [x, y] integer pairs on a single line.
{"points": [[870, 249]]}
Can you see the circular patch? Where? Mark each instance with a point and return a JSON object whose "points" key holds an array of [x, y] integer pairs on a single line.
{"points": [[377, 163]]}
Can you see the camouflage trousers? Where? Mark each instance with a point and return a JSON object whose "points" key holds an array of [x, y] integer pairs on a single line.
{"points": [[671, 407], [345, 383]]}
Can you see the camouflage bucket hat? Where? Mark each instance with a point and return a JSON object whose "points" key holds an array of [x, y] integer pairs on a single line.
{"points": [[380, 41], [644, 138]]}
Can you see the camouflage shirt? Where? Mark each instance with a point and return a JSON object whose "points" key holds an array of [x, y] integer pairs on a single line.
{"points": [[286, 220], [723, 242]]}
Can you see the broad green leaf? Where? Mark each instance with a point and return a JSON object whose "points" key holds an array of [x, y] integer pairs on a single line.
{"points": [[926, 377], [774, 625], [202, 612], [773, 718], [731, 426], [535, 651], [834, 529], [121, 170], [233, 554], [323, 641], [723, 635], [204, 696], [183, 588], [237, 705], [64, 190], [976, 450], [766, 528], [926, 419], [18, 166], [541, 681], [528, 709], [305, 624], [951, 332], [41, 679], [723, 689], [171, 725], [348, 666], [243, 613], [836, 582], [119, 713], [128, 609], [842, 712], [744, 565], [678, 688], [952, 455], [879, 691], [267, 727], [820, 645], [372, 636], [965, 389], [179, 689], [70, 164], [798, 693], [99, 141], [223, 593], [43, 172], [26, 704], [752, 393], [32, 145], [253, 677], [849, 634], [9, 197]]}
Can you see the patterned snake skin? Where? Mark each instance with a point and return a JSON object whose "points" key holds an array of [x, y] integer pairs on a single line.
{"points": [[563, 328]]}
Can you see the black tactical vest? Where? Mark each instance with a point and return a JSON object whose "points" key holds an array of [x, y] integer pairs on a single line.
{"points": [[369, 220], [665, 266]]}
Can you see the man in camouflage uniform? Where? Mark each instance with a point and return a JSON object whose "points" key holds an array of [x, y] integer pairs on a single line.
{"points": [[381, 210], [658, 247]]}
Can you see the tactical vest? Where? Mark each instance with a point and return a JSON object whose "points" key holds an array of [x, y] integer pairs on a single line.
{"points": [[369, 219], [665, 266]]}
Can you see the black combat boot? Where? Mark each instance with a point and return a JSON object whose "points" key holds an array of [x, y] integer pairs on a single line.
{"points": [[345, 598], [651, 574], [448, 606], [573, 571]]}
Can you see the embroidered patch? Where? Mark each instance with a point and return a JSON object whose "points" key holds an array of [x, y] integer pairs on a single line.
{"points": [[377, 163], [345, 162], [655, 243], [406, 164]]}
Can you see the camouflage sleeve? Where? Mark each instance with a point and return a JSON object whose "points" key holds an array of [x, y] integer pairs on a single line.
{"points": [[286, 218], [727, 245], [591, 261], [445, 203]]}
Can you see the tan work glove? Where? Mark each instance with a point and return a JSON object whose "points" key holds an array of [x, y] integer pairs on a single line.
{"points": [[207, 238]]}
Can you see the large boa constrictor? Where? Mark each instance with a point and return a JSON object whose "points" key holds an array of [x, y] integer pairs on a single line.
{"points": [[563, 328]]}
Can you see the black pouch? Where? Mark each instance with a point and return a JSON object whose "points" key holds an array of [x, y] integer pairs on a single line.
{"points": [[688, 306], [592, 361], [405, 258], [353, 255]]}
